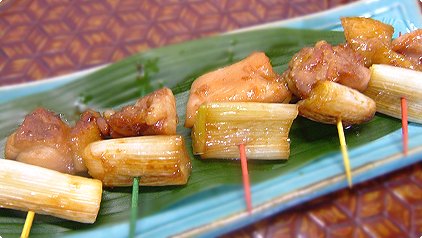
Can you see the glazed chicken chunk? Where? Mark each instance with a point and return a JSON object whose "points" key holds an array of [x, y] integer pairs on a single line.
{"points": [[325, 62], [410, 45], [85, 131], [154, 114], [42, 140], [250, 80], [373, 40], [45, 140]]}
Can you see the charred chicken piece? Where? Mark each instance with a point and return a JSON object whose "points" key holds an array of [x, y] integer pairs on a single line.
{"points": [[325, 62], [249, 80], [154, 114]]}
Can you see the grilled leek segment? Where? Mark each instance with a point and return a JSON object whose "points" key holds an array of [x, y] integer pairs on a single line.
{"points": [[31, 188], [264, 128], [389, 84], [156, 160], [329, 101]]}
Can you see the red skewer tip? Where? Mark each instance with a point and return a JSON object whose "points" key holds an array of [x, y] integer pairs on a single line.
{"points": [[245, 177], [405, 132]]}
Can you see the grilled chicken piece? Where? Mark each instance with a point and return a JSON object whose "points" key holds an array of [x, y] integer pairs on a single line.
{"points": [[325, 62], [410, 45], [42, 140], [83, 133], [45, 140], [372, 39], [250, 80], [154, 114]]}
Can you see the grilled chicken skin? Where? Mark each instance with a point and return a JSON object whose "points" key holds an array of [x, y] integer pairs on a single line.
{"points": [[42, 140], [154, 114], [325, 62], [372, 39], [410, 45]]}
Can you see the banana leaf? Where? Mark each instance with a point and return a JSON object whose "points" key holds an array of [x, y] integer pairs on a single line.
{"points": [[177, 66]]}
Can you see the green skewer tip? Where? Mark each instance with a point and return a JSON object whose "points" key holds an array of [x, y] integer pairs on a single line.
{"points": [[134, 207]]}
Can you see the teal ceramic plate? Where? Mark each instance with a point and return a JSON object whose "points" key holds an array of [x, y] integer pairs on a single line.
{"points": [[212, 213]]}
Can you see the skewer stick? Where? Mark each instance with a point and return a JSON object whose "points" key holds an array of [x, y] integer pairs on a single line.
{"points": [[404, 129], [344, 152], [405, 132], [245, 176], [134, 207], [28, 224]]}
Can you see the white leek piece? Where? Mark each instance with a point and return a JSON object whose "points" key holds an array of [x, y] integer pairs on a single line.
{"points": [[264, 128], [156, 160], [31, 188], [389, 84], [329, 102]]}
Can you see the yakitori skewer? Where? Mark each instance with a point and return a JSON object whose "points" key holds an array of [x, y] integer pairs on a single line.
{"points": [[395, 89], [258, 131], [39, 190], [251, 80], [139, 161], [398, 93], [333, 103], [43, 139]]}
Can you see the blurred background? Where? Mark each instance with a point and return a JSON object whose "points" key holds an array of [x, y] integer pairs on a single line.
{"points": [[45, 38]]}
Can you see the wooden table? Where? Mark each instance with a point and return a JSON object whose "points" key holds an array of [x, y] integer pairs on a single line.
{"points": [[45, 38]]}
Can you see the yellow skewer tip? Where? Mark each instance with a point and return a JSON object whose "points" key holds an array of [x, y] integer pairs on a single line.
{"points": [[344, 152], [28, 224]]}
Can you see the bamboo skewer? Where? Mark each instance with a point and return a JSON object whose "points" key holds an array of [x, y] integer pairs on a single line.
{"points": [[28, 224], [344, 151], [245, 176], [333, 103]]}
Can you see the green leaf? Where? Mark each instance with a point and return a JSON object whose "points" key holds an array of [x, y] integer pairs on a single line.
{"points": [[176, 67]]}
